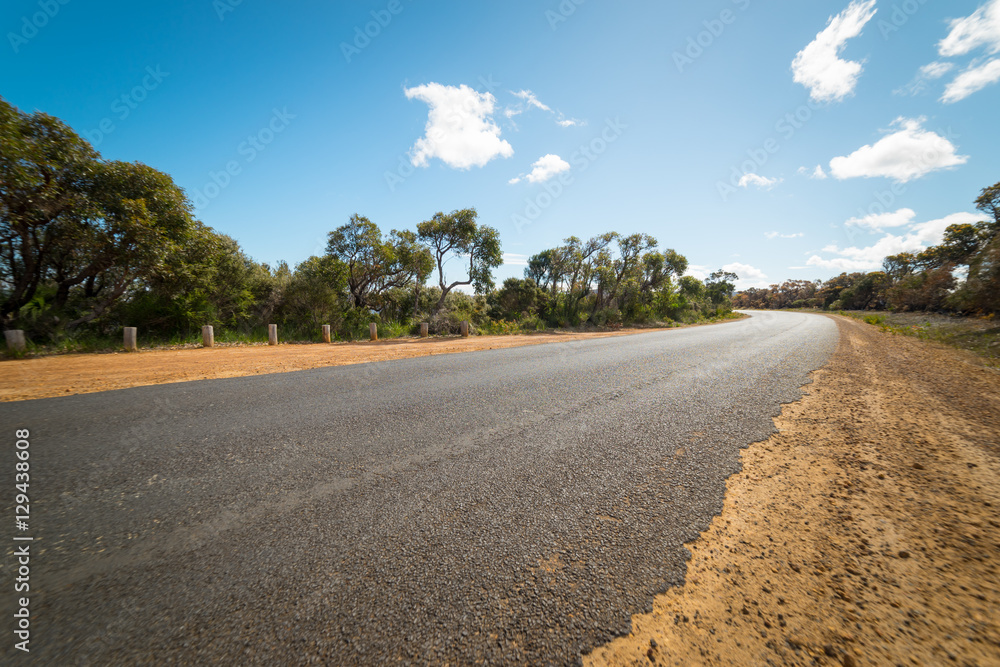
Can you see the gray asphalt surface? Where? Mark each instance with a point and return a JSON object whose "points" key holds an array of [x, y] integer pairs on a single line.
{"points": [[508, 506]]}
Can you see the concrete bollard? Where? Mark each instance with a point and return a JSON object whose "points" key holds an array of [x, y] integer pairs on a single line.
{"points": [[326, 333], [15, 339], [207, 336], [424, 329], [464, 326], [130, 340], [272, 334], [373, 331]]}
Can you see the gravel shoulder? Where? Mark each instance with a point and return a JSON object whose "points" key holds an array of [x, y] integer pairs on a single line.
{"points": [[865, 532]]}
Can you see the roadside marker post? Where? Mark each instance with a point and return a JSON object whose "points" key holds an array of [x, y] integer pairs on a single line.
{"points": [[207, 336], [272, 334], [465, 328], [373, 331], [424, 327], [15, 339], [130, 340], [326, 333]]}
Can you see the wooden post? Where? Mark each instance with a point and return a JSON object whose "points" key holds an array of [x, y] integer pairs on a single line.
{"points": [[130, 342], [15, 339], [465, 328], [326, 333], [272, 334], [373, 331], [424, 326], [207, 336]]}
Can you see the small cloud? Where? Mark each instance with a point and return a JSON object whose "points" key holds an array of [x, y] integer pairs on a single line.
{"points": [[979, 29], [928, 72], [570, 122], [816, 174], [697, 271], [530, 99], [749, 276], [460, 130], [908, 153], [877, 221], [543, 169], [515, 259], [819, 67], [936, 70], [972, 80], [776, 235], [760, 181]]}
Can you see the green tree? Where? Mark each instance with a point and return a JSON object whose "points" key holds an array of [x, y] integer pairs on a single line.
{"points": [[374, 265], [46, 171], [720, 286], [458, 235]]}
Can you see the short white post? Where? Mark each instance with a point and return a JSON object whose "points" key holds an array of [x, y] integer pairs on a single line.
{"points": [[326, 333], [272, 334], [130, 340], [465, 328], [424, 327], [207, 336], [15, 339], [373, 331]]}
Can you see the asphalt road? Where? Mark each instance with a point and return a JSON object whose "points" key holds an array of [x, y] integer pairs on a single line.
{"points": [[507, 506]]}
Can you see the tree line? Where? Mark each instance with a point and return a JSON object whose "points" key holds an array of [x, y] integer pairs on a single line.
{"points": [[959, 275], [89, 245]]}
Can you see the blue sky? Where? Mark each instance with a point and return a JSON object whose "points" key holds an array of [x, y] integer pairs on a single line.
{"points": [[779, 140]]}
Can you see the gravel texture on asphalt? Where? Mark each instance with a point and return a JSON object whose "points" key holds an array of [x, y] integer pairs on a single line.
{"points": [[511, 506]]}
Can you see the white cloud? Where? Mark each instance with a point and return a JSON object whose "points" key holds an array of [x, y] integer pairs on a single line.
{"points": [[749, 276], [530, 99], [973, 79], [918, 237], [697, 271], [819, 68], [816, 174], [936, 70], [903, 216], [543, 169], [928, 72], [460, 130], [515, 259], [760, 181], [981, 28], [776, 235], [908, 153]]}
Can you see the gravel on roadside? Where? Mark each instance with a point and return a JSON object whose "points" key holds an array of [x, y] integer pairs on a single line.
{"points": [[865, 532]]}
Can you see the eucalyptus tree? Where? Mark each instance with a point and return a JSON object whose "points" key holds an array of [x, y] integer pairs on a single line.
{"points": [[458, 235]]}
